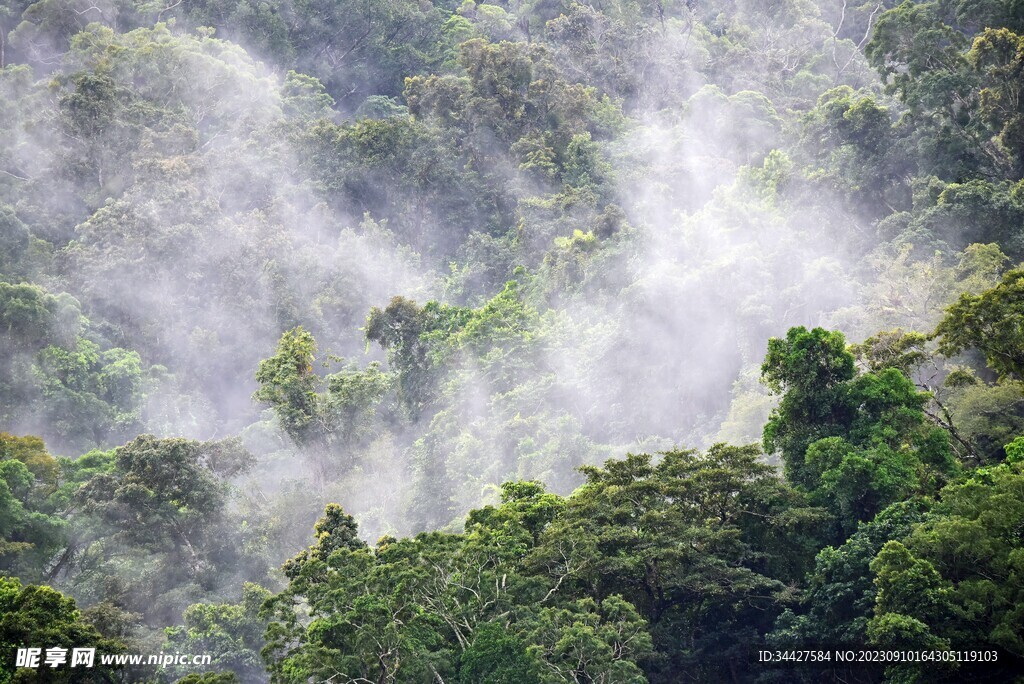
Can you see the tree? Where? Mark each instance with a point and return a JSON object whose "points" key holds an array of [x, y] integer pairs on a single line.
{"points": [[156, 526], [41, 617], [231, 633], [30, 317], [497, 657], [457, 607], [406, 331], [90, 397], [289, 384], [367, 619], [953, 580], [590, 642], [852, 135], [676, 540], [987, 416], [811, 370], [328, 417], [30, 532], [162, 493], [14, 243], [31, 451], [838, 597], [998, 54], [990, 322], [858, 442]]}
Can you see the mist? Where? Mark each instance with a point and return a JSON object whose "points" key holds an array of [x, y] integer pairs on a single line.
{"points": [[206, 233], [393, 255]]}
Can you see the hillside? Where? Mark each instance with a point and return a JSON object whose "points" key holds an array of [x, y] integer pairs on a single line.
{"points": [[524, 341]]}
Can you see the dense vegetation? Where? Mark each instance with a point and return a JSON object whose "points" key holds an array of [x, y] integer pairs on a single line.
{"points": [[505, 342]]}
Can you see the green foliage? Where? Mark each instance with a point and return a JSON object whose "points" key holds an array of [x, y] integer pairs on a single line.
{"points": [[28, 536], [459, 606], [935, 67], [989, 416], [839, 596], [156, 525], [366, 621], [677, 540], [606, 208], [400, 329], [231, 633], [587, 641], [904, 351], [29, 531], [326, 415], [990, 322], [32, 452], [42, 617], [356, 49], [496, 656], [81, 394], [421, 341], [955, 579], [908, 587], [525, 507], [288, 383], [86, 390], [858, 442], [948, 216], [923, 575], [997, 54], [811, 369], [852, 135], [161, 487], [30, 316], [304, 98]]}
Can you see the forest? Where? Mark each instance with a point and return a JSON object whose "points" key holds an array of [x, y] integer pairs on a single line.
{"points": [[512, 341]]}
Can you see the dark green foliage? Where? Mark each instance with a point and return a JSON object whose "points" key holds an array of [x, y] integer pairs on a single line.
{"points": [[41, 617], [543, 589], [811, 369], [954, 580], [400, 329], [857, 442], [577, 581], [496, 656], [675, 539], [162, 489], [30, 316], [853, 136], [840, 594]]}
